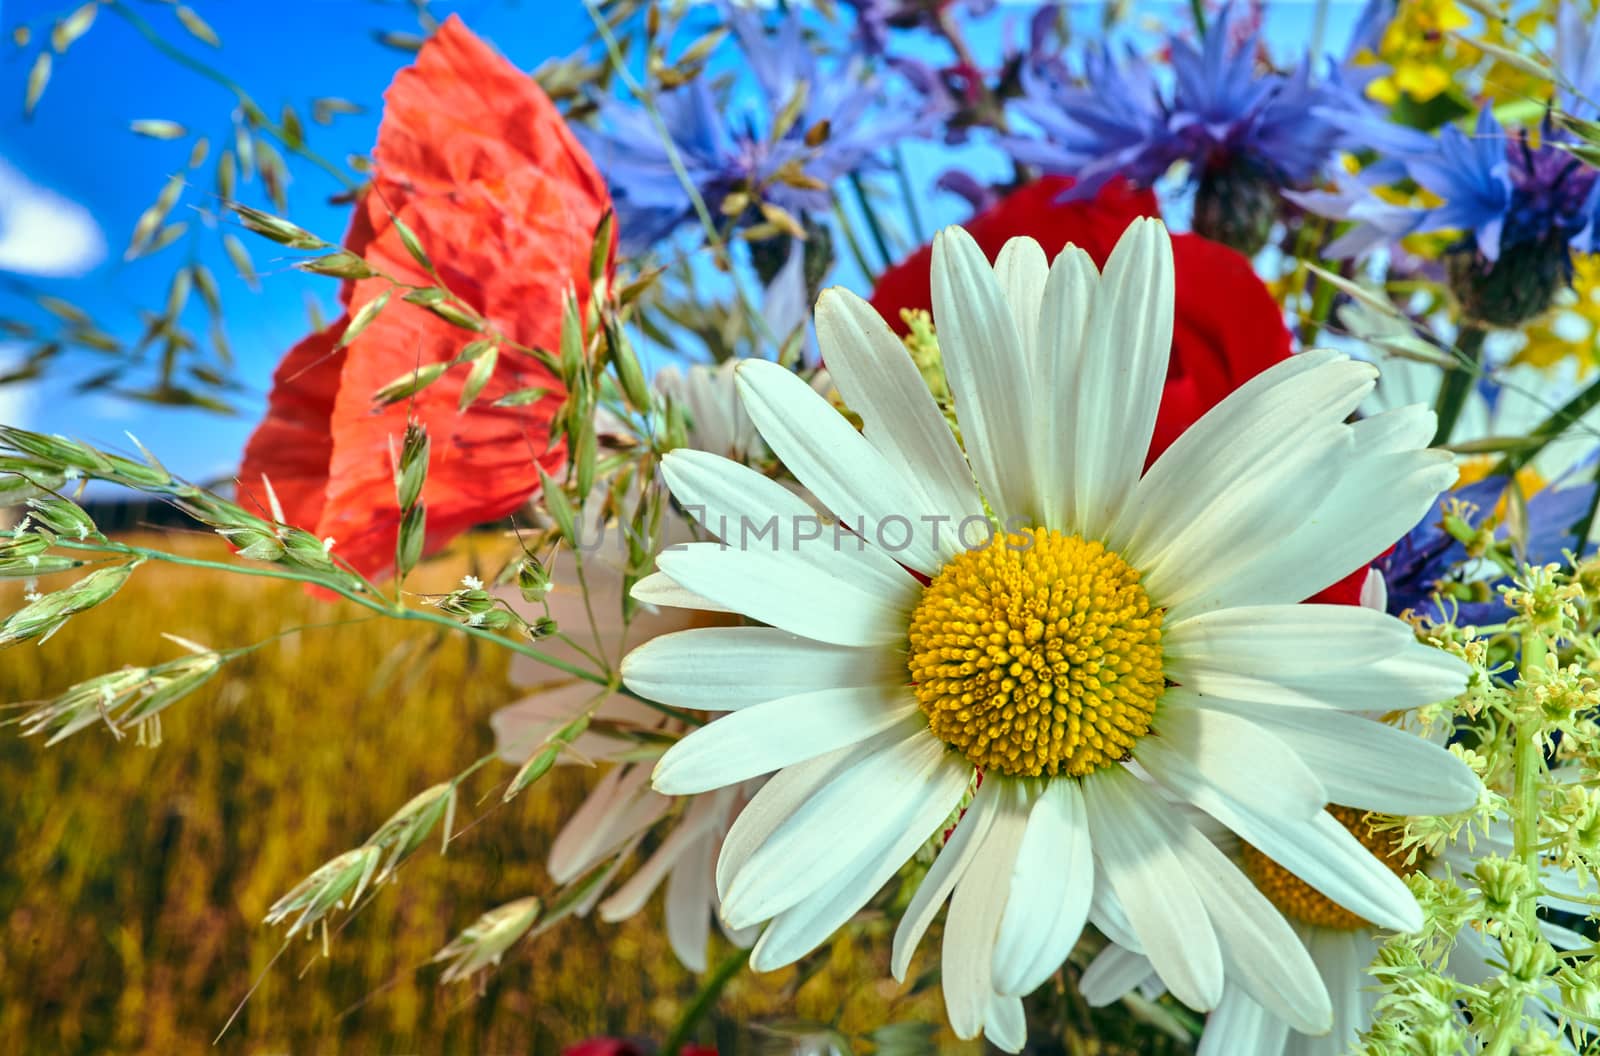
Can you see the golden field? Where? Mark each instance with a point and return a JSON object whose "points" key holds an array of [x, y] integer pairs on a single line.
{"points": [[133, 879]]}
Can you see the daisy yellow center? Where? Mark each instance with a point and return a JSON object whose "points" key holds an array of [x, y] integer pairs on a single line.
{"points": [[1039, 654], [1300, 901]]}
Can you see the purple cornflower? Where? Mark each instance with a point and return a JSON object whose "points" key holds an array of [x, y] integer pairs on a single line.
{"points": [[1430, 571], [1245, 133], [729, 142], [1522, 210]]}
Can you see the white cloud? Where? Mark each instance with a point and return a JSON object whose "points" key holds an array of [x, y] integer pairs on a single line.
{"points": [[42, 233]]}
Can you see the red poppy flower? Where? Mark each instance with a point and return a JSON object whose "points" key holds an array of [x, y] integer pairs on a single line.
{"points": [[1227, 327], [474, 158]]}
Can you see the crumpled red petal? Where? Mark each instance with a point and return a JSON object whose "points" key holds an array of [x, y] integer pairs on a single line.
{"points": [[478, 163]]}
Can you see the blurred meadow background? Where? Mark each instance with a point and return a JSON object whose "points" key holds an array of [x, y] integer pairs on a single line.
{"points": [[133, 879]]}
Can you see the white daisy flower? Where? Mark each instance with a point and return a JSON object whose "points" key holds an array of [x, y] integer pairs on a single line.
{"points": [[622, 809], [1124, 617]]}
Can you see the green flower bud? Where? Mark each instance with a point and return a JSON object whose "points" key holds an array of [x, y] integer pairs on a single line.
{"points": [[532, 579], [1501, 881]]}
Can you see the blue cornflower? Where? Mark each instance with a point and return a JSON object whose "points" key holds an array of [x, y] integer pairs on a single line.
{"points": [[1522, 209], [1245, 133], [728, 144], [1430, 571]]}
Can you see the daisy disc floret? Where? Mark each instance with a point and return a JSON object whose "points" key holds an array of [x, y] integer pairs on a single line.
{"points": [[1037, 655], [1099, 638]]}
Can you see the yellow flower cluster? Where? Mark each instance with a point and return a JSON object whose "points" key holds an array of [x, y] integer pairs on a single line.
{"points": [[1571, 331], [1423, 58]]}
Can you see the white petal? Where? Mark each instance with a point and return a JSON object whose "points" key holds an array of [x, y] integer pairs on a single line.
{"points": [[1163, 906], [1021, 270], [778, 733], [1264, 640], [585, 905], [1262, 953], [521, 728], [1382, 492], [878, 381], [1051, 889], [781, 797], [1375, 591], [1249, 431], [1325, 855], [1416, 675], [948, 868], [1004, 1023], [1107, 913], [864, 807], [1252, 516], [1240, 1027], [973, 923], [1114, 973], [749, 511], [1124, 368], [658, 588], [1370, 765], [688, 906], [1344, 957], [801, 928], [1063, 317], [1200, 754], [846, 473], [691, 833], [728, 668], [985, 368], [620, 808], [786, 591]]}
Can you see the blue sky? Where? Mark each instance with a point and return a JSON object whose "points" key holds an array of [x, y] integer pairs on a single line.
{"points": [[78, 149]]}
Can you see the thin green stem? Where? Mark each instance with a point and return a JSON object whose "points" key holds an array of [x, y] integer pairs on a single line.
{"points": [[588, 608], [873, 227], [1560, 420], [908, 195], [1528, 769], [398, 612], [850, 239], [1457, 383], [579, 649], [1580, 531], [1198, 9], [703, 1001]]}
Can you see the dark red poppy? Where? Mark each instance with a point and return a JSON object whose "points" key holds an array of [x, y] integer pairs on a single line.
{"points": [[1227, 327], [475, 159]]}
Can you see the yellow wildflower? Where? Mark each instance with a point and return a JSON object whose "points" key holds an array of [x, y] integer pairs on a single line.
{"points": [[1419, 51], [1572, 329]]}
